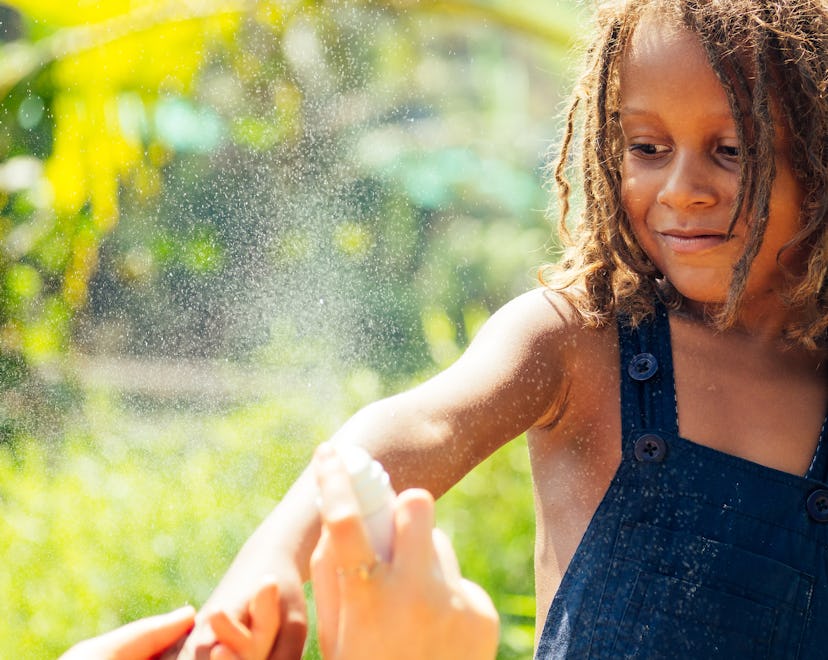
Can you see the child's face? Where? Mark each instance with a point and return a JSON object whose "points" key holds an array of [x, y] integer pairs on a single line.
{"points": [[680, 170]]}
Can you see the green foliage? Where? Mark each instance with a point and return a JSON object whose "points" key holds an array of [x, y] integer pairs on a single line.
{"points": [[337, 192], [118, 163], [128, 519], [131, 517]]}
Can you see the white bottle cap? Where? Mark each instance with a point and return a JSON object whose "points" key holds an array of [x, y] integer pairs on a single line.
{"points": [[368, 478]]}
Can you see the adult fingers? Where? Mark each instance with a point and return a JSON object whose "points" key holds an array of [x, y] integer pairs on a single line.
{"points": [[446, 557], [483, 622], [479, 601], [326, 594], [340, 513], [148, 637], [414, 522]]}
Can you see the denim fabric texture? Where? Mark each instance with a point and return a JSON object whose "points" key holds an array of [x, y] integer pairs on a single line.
{"points": [[692, 553]]}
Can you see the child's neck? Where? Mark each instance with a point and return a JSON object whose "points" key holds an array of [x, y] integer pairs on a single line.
{"points": [[763, 321]]}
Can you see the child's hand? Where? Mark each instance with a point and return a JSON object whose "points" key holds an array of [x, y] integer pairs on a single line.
{"points": [[416, 607], [139, 640], [237, 641], [233, 598]]}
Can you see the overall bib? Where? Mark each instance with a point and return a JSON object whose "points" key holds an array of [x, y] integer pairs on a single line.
{"points": [[692, 553]]}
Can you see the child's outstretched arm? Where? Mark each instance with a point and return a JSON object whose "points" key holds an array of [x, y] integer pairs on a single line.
{"points": [[428, 437]]}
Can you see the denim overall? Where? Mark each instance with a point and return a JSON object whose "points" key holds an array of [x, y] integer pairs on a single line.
{"points": [[692, 553]]}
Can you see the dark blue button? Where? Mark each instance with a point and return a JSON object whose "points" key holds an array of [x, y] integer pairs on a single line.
{"points": [[642, 366], [817, 505], [650, 448]]}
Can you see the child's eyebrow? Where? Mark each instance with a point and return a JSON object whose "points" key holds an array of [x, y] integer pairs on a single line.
{"points": [[633, 113], [626, 112]]}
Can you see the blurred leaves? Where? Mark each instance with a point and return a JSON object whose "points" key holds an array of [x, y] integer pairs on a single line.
{"points": [[106, 94], [103, 536], [341, 191]]}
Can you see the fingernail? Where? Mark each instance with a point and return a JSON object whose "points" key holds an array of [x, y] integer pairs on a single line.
{"points": [[325, 459], [185, 611]]}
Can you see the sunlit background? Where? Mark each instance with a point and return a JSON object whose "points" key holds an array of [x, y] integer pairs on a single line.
{"points": [[226, 225]]}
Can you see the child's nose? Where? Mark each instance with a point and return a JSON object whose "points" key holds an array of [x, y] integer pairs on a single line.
{"points": [[688, 183]]}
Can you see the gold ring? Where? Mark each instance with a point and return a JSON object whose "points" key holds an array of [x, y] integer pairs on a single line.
{"points": [[363, 571]]}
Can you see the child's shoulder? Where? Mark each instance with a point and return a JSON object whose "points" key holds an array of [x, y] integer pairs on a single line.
{"points": [[545, 327], [548, 315], [523, 365]]}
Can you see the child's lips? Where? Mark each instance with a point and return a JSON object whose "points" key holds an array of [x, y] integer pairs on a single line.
{"points": [[692, 242]]}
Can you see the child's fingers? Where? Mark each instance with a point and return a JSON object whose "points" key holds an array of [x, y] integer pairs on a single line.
{"points": [[265, 619], [230, 633], [414, 522], [254, 643], [221, 652]]}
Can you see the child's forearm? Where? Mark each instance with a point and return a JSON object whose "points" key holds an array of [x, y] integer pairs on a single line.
{"points": [[290, 531], [420, 444], [280, 548]]}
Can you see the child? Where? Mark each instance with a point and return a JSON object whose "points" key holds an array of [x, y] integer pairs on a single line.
{"points": [[681, 499]]}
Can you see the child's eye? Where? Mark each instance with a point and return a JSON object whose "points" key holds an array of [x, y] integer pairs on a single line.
{"points": [[647, 149], [729, 152]]}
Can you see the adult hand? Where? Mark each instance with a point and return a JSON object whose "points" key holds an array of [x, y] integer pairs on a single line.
{"points": [[416, 607], [139, 640]]}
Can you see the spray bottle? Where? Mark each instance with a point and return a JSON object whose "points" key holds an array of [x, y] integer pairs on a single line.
{"points": [[372, 487]]}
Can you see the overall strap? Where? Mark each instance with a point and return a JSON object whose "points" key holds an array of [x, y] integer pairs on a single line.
{"points": [[648, 393], [819, 465]]}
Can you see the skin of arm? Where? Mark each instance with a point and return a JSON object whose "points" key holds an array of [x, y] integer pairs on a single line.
{"points": [[428, 437]]}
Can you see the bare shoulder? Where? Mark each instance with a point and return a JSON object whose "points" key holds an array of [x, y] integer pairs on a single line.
{"points": [[525, 355], [583, 358], [543, 325], [532, 328], [537, 316], [517, 374]]}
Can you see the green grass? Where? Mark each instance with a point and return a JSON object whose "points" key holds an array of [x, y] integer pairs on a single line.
{"points": [[136, 514]]}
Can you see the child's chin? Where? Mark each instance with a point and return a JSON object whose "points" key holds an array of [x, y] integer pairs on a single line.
{"points": [[693, 298]]}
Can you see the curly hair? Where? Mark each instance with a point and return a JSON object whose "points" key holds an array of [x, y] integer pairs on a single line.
{"points": [[771, 57]]}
